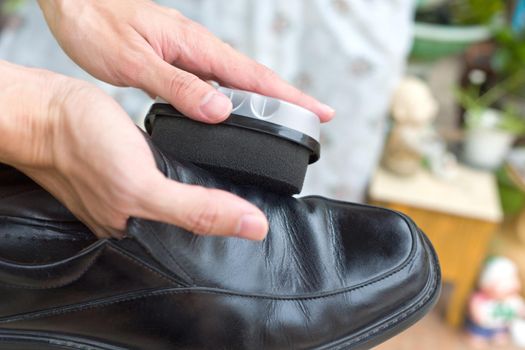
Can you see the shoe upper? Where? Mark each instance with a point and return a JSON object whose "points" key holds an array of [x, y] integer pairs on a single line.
{"points": [[329, 274]]}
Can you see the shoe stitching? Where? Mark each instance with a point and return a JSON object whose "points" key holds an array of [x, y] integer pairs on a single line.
{"points": [[405, 314], [125, 255], [406, 219], [40, 220], [400, 268], [185, 274], [145, 295], [153, 293], [170, 254], [397, 270], [362, 337], [90, 264], [61, 284], [392, 322], [43, 238], [49, 224], [431, 292]]}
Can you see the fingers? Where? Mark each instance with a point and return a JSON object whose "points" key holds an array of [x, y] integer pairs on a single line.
{"points": [[232, 68], [237, 70], [186, 92], [202, 210], [198, 51]]}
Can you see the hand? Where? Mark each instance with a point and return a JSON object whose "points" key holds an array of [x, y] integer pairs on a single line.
{"points": [[141, 44], [82, 147]]}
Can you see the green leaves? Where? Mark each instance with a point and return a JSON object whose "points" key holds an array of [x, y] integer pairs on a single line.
{"points": [[473, 12], [509, 57], [508, 119]]}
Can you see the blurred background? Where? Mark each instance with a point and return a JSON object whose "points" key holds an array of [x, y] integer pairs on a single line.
{"points": [[430, 100]]}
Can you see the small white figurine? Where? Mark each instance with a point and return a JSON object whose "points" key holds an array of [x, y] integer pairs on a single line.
{"points": [[412, 137], [495, 305]]}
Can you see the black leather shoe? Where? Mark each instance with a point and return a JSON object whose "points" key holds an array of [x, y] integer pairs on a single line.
{"points": [[330, 275]]}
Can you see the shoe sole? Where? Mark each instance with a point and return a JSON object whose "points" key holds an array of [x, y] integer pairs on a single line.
{"points": [[373, 335]]}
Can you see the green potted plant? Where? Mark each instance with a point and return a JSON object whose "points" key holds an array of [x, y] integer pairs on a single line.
{"points": [[446, 27], [491, 126], [508, 60]]}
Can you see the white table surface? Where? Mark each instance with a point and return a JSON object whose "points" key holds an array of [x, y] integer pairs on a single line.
{"points": [[471, 193]]}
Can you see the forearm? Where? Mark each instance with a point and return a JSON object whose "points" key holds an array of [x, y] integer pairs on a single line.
{"points": [[26, 118]]}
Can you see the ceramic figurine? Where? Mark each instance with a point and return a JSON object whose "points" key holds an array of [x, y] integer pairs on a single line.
{"points": [[495, 305], [413, 110]]}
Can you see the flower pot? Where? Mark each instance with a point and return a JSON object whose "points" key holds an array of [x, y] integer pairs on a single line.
{"points": [[433, 41], [487, 148], [428, 3]]}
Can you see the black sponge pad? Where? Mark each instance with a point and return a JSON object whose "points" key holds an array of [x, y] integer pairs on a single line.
{"points": [[242, 155]]}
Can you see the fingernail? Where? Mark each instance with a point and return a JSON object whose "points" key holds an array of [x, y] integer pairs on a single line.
{"points": [[329, 111], [252, 227], [215, 106]]}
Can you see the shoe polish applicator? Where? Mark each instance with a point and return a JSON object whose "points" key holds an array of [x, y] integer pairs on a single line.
{"points": [[265, 142]]}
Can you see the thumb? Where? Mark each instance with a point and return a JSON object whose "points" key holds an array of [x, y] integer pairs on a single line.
{"points": [[189, 94], [202, 210]]}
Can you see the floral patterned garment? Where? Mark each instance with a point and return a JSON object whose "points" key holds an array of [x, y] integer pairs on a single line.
{"points": [[348, 53]]}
